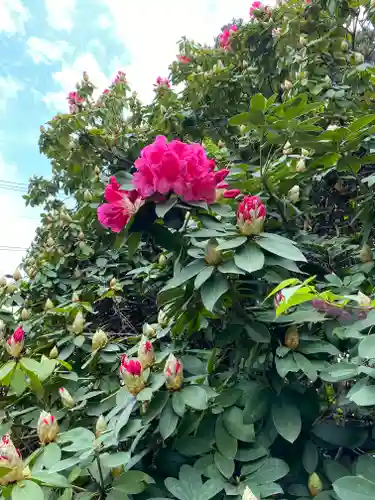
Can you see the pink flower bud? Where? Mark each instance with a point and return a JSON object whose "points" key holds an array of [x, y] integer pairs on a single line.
{"points": [[278, 298], [47, 428], [220, 175], [66, 398], [146, 353], [251, 214], [131, 372], [231, 193], [173, 372], [15, 342], [101, 426], [162, 82], [183, 59], [10, 457]]}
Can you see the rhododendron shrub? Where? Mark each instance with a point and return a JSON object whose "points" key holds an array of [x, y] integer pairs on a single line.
{"points": [[183, 326]]}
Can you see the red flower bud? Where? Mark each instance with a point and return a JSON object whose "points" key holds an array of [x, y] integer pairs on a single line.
{"points": [[15, 342], [251, 214]]}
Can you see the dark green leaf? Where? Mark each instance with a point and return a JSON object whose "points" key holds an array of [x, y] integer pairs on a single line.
{"points": [[226, 444], [249, 258], [287, 420], [213, 289], [168, 421]]}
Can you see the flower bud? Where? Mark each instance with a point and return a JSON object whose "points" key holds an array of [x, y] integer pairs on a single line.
{"points": [[364, 300], [365, 254], [117, 471], [101, 426], [213, 256], [25, 314], [292, 337], [48, 305], [78, 323], [173, 372], [75, 297], [332, 127], [81, 236], [131, 372], [248, 494], [85, 76], [276, 32], [99, 340], [162, 318], [344, 46], [97, 170], [146, 353], [358, 58], [11, 288], [301, 165], [148, 330], [65, 217], [288, 85], [294, 193], [47, 428], [50, 242], [66, 398], [53, 353], [15, 343], [315, 484], [87, 196], [278, 299], [162, 260], [3, 281], [10, 458], [303, 40], [251, 214], [287, 149], [113, 283], [17, 275]]}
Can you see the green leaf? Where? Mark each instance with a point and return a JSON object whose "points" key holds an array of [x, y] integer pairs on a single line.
{"points": [[233, 421], [257, 404], [366, 348], [258, 102], [6, 370], [192, 446], [186, 274], [287, 420], [195, 397], [229, 267], [279, 245], [27, 490], [203, 276], [67, 463], [306, 366], [354, 488], [249, 258], [124, 417], [272, 470], [348, 437], [232, 243], [365, 467], [115, 459], [334, 470], [365, 396], [213, 289], [225, 465], [178, 403], [30, 365], [155, 407], [258, 332], [51, 479], [253, 453], [310, 457], [361, 122], [226, 444], [162, 208], [51, 454], [241, 119], [133, 242], [168, 421]]}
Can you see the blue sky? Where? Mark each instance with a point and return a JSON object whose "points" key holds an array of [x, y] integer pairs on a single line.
{"points": [[45, 45]]}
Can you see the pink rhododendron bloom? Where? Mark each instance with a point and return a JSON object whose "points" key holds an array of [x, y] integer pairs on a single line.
{"points": [[146, 353], [231, 193], [162, 82], [183, 59], [106, 91], [173, 371], [15, 342], [120, 77], [220, 175], [131, 371], [10, 458], [222, 191], [121, 206], [255, 6], [224, 37], [74, 101], [251, 214], [183, 169]]}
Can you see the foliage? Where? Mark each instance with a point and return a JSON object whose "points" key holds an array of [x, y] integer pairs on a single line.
{"points": [[247, 322]]}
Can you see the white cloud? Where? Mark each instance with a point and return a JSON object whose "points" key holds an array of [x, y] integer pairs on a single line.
{"points": [[152, 43], [17, 231], [104, 22], [69, 75], [13, 16], [9, 88], [60, 13], [42, 50]]}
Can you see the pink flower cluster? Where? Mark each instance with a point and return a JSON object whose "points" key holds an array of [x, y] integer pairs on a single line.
{"points": [[74, 101], [121, 206], [120, 77], [162, 82], [130, 366], [224, 37], [257, 5], [251, 214], [183, 169]]}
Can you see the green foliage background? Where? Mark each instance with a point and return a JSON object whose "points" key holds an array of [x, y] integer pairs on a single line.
{"points": [[282, 403]]}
